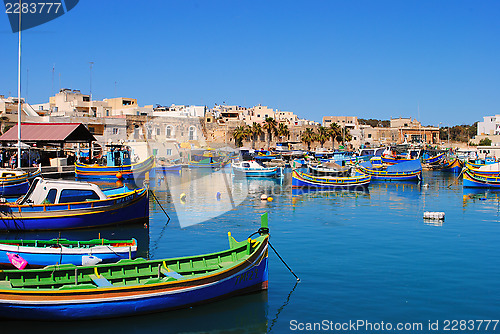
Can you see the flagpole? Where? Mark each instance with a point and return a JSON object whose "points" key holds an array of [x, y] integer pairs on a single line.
{"points": [[19, 92]]}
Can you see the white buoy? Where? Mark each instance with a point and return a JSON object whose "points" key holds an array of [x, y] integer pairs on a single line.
{"points": [[434, 215], [263, 197]]}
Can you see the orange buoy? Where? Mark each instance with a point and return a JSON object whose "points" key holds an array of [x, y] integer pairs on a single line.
{"points": [[119, 175]]}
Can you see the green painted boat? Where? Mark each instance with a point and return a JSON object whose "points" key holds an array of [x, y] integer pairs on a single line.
{"points": [[129, 287]]}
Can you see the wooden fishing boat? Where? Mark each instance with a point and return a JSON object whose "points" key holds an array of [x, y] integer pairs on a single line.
{"points": [[264, 155], [451, 166], [473, 180], [206, 162], [476, 163], [426, 159], [392, 160], [61, 204], [254, 169], [115, 169], [329, 169], [489, 169], [300, 179], [205, 159], [62, 251], [131, 287], [16, 182], [404, 171]]}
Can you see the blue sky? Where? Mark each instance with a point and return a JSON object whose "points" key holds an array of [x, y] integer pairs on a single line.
{"points": [[437, 61]]}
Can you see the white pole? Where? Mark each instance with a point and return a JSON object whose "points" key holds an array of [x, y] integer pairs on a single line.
{"points": [[90, 97], [19, 92]]}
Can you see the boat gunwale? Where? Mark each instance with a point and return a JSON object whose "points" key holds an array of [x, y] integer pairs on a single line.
{"points": [[257, 255]]}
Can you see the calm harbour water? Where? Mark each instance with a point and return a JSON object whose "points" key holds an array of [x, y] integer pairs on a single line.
{"points": [[360, 256]]}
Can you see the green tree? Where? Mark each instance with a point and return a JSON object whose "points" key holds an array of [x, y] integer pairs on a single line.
{"points": [[485, 142], [322, 135], [335, 133], [283, 131], [256, 130], [271, 127], [240, 134], [308, 137]]}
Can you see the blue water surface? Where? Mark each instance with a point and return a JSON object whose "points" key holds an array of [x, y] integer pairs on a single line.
{"points": [[367, 256]]}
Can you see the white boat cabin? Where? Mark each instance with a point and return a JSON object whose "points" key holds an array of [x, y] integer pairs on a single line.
{"points": [[250, 164], [61, 191]]}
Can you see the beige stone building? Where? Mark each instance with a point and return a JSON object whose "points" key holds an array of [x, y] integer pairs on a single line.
{"points": [[73, 103]]}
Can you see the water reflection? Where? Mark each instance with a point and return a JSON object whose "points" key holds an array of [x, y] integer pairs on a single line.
{"points": [[242, 314]]}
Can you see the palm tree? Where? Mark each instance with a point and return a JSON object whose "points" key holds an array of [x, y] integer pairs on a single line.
{"points": [[240, 134], [335, 133], [308, 136], [270, 126], [283, 131], [346, 136], [322, 135], [256, 130]]}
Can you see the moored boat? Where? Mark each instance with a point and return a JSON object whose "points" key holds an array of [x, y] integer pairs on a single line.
{"points": [[254, 169], [489, 169], [206, 159], [404, 171], [132, 287], [476, 163], [474, 180], [117, 165], [62, 251], [432, 160], [61, 204], [391, 160], [329, 169], [16, 182], [451, 166], [300, 179]]}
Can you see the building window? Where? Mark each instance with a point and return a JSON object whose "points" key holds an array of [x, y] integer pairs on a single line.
{"points": [[107, 112], [169, 151], [192, 133], [168, 131], [369, 135], [115, 131], [157, 131]]}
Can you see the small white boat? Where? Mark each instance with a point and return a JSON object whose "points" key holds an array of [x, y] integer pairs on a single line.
{"points": [[254, 169]]}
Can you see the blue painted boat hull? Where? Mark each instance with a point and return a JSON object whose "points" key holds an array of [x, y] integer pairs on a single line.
{"points": [[127, 172], [471, 180], [132, 208], [304, 180], [254, 278], [14, 189]]}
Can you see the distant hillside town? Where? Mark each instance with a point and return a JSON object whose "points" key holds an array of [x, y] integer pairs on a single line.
{"points": [[121, 120]]}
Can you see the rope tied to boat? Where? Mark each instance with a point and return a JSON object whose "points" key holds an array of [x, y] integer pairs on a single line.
{"points": [[265, 230]]}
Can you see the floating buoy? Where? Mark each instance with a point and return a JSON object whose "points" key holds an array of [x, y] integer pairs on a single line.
{"points": [[269, 199], [434, 215], [119, 175], [218, 196], [263, 197], [425, 185]]}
